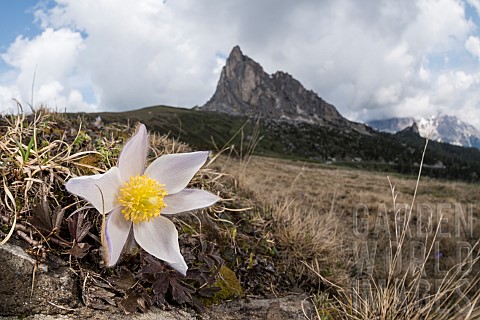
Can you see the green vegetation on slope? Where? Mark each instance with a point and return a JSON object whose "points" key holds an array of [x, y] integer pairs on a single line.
{"points": [[378, 151]]}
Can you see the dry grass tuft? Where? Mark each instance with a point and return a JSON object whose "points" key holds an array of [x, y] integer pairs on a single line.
{"points": [[39, 152], [299, 230]]}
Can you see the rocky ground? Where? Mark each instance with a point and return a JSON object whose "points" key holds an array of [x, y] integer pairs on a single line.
{"points": [[56, 295]]}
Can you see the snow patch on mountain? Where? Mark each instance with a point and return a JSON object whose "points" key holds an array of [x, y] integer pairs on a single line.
{"points": [[441, 128]]}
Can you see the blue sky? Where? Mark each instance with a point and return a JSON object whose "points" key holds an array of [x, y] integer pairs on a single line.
{"points": [[374, 59], [16, 20]]}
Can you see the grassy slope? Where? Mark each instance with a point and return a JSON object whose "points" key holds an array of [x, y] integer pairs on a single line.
{"points": [[196, 127], [380, 151]]}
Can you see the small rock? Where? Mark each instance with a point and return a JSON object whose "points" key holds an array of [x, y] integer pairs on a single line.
{"points": [[54, 291], [290, 307]]}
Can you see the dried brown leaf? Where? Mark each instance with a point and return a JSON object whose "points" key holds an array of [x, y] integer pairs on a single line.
{"points": [[80, 250], [78, 226]]}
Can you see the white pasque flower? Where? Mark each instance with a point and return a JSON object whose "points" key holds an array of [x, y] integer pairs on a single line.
{"points": [[135, 197]]}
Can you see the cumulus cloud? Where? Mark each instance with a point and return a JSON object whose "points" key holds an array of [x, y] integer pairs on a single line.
{"points": [[370, 59], [8, 97], [473, 46], [48, 63]]}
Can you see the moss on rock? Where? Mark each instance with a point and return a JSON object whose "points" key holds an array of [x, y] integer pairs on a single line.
{"points": [[229, 285]]}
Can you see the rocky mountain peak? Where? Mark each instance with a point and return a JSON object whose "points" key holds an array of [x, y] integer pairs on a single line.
{"points": [[281, 74], [236, 54], [411, 129], [414, 128], [246, 89], [239, 65]]}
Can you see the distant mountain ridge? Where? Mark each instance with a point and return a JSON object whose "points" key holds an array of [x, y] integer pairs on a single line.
{"points": [[245, 89], [381, 151], [441, 128]]}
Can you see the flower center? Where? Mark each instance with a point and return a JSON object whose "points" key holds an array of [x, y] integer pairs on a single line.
{"points": [[142, 199]]}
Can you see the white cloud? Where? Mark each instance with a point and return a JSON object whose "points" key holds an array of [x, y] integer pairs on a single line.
{"points": [[419, 104], [455, 92], [424, 73], [49, 91], [139, 53], [371, 59], [473, 46], [388, 95], [47, 62], [438, 25], [8, 95]]}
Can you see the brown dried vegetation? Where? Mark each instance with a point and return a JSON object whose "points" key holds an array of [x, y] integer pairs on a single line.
{"points": [[282, 226], [362, 219]]}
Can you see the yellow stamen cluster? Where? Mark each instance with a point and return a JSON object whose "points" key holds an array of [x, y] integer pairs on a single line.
{"points": [[142, 199]]}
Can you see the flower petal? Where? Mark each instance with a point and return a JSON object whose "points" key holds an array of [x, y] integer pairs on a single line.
{"points": [[101, 190], [188, 199], [133, 157], [159, 237], [176, 170], [116, 232]]}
